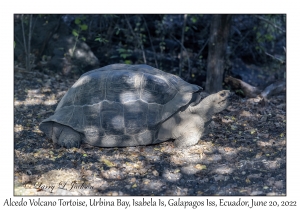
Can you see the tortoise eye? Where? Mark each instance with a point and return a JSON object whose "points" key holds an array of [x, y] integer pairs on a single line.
{"points": [[222, 94]]}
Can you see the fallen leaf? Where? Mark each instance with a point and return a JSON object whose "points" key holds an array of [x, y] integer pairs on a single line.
{"points": [[176, 171], [155, 173], [107, 162], [245, 114], [199, 193], [200, 167]]}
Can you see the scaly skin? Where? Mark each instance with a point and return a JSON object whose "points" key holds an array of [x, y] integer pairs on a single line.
{"points": [[188, 126]]}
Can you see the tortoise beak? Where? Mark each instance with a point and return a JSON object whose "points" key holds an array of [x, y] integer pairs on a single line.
{"points": [[225, 94]]}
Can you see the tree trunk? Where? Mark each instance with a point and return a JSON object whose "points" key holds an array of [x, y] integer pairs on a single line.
{"points": [[219, 34]]}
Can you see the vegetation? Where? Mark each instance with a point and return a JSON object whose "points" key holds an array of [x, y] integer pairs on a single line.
{"points": [[179, 44], [243, 151]]}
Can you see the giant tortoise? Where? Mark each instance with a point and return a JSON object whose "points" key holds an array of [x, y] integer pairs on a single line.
{"points": [[128, 105]]}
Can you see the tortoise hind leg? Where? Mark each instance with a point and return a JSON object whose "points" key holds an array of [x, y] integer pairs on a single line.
{"points": [[66, 136]]}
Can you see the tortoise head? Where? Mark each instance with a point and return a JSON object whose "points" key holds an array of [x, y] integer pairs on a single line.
{"points": [[220, 100], [213, 104]]}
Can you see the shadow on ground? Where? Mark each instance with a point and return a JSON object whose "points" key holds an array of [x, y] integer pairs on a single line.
{"points": [[242, 153]]}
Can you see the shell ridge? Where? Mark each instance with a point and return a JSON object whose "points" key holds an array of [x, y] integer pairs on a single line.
{"points": [[95, 103]]}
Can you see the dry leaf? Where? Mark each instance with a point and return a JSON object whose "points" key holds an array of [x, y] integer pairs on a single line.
{"points": [[199, 193], [176, 171], [107, 162], [200, 167], [155, 173]]}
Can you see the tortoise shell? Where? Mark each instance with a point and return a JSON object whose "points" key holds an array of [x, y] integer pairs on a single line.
{"points": [[122, 105]]}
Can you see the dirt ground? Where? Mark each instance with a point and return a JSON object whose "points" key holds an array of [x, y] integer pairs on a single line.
{"points": [[242, 153]]}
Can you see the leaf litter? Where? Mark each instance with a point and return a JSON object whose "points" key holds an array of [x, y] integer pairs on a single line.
{"points": [[244, 140]]}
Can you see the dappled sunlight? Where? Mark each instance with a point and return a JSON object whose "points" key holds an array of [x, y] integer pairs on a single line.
{"points": [[29, 102], [192, 169], [172, 175], [152, 185], [246, 114], [271, 143], [128, 96], [272, 165], [225, 158], [118, 122], [64, 182], [223, 169], [29, 120], [18, 128], [84, 80], [139, 130], [35, 97]]}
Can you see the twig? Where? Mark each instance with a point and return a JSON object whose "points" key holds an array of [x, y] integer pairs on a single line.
{"points": [[274, 57], [50, 34], [34, 24], [182, 43], [241, 41], [150, 41], [19, 41], [138, 38], [27, 46], [189, 64], [200, 51], [16, 68], [274, 25], [24, 39], [29, 43]]}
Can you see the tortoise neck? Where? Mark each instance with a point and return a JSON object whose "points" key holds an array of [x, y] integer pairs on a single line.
{"points": [[204, 108]]}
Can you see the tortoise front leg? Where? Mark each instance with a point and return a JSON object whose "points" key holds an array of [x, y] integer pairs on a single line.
{"points": [[189, 138]]}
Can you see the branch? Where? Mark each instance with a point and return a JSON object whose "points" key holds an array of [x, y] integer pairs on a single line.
{"points": [[23, 32], [274, 25], [50, 34], [200, 51], [182, 43], [189, 71], [282, 61], [138, 38], [150, 41], [18, 40], [241, 41], [29, 43], [248, 90]]}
